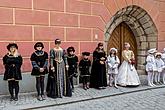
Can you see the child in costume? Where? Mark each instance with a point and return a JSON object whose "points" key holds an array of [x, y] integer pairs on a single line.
{"points": [[84, 67], [39, 61], [160, 66], [163, 73], [13, 62], [72, 62], [113, 62], [151, 66]]}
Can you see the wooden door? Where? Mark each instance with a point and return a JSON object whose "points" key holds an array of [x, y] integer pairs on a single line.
{"points": [[119, 36]]}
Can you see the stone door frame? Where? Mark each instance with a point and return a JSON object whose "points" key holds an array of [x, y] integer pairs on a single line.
{"points": [[141, 25]]}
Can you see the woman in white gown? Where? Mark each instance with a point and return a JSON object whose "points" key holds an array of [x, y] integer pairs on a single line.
{"points": [[127, 73]]}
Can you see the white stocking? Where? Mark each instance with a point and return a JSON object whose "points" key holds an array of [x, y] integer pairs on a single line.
{"points": [[163, 76], [152, 77], [110, 79], [149, 77], [159, 76], [115, 77], [156, 77]]}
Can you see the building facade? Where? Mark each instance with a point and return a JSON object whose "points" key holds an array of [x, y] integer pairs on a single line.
{"points": [[82, 24]]}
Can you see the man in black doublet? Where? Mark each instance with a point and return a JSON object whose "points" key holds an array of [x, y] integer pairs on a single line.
{"points": [[39, 60], [13, 62], [72, 62]]}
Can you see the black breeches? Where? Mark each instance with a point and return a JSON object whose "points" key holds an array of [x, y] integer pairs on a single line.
{"points": [[40, 85], [85, 80], [13, 85]]}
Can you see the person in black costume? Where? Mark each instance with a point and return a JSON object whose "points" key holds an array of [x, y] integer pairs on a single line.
{"points": [[98, 77], [58, 80], [84, 67], [13, 62], [39, 61], [72, 62]]}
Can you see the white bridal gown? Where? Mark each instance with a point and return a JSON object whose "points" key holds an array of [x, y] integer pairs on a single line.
{"points": [[127, 73]]}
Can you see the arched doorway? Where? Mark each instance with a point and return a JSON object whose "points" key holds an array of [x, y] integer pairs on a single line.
{"points": [[120, 35], [143, 28]]}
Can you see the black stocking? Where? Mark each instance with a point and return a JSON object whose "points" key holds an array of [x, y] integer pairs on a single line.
{"points": [[16, 86], [42, 84], [11, 87], [38, 85]]}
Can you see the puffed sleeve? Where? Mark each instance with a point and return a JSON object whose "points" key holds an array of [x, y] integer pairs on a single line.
{"points": [[65, 57], [46, 61], [4, 59], [132, 55], [117, 62], [148, 59], [19, 61], [109, 62], [33, 62], [80, 65], [52, 56]]}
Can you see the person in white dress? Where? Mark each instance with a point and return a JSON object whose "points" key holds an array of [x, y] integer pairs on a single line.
{"points": [[113, 62], [160, 66], [151, 66], [127, 73], [163, 73]]}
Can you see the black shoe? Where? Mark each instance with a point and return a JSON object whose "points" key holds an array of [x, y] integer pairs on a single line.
{"points": [[72, 89], [11, 98], [43, 97], [85, 88], [16, 98], [39, 98]]}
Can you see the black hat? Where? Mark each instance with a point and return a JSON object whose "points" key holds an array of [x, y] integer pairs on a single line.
{"points": [[86, 53], [38, 44], [100, 44], [57, 41], [70, 49], [12, 45]]}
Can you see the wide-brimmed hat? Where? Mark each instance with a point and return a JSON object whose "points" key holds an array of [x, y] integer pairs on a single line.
{"points": [[86, 53], [158, 54], [100, 44], [70, 49], [153, 50], [38, 44], [12, 45], [114, 49]]}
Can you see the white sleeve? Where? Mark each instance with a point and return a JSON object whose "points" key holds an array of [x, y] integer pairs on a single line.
{"points": [[109, 62], [162, 62], [148, 59], [117, 62]]}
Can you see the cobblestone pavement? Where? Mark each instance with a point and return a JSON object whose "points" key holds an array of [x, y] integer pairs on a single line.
{"points": [[143, 100], [28, 100]]}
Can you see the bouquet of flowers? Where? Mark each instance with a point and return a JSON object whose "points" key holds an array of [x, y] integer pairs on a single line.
{"points": [[133, 62]]}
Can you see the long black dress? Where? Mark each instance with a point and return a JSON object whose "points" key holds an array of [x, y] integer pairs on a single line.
{"points": [[98, 73], [12, 67], [58, 82]]}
